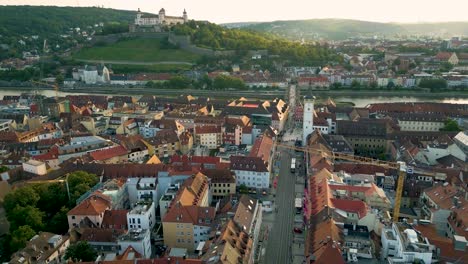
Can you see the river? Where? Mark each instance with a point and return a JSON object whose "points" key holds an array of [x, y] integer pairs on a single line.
{"points": [[359, 101]]}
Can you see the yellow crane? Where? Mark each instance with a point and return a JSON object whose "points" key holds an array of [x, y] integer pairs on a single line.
{"points": [[399, 166]]}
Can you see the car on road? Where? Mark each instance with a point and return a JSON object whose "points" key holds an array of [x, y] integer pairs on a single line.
{"points": [[297, 230]]}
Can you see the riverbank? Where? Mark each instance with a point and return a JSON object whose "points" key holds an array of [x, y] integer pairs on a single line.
{"points": [[359, 98], [277, 92]]}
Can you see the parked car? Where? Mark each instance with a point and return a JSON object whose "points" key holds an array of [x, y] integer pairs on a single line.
{"points": [[297, 230]]}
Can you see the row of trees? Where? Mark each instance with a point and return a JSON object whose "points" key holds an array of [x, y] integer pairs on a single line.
{"points": [[221, 82], [41, 207]]}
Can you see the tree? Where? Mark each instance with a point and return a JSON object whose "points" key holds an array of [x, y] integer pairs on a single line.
{"points": [[224, 82], [80, 182], [355, 84], [433, 84], [27, 215], [243, 189], [59, 79], [446, 66], [3, 169], [59, 223], [450, 125], [23, 196], [20, 236], [80, 251], [52, 197], [178, 82]]}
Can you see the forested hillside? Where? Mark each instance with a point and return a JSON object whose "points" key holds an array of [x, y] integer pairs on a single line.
{"points": [[217, 37], [344, 28], [49, 20]]}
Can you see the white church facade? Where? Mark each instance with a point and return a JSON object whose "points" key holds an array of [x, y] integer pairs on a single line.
{"points": [[154, 23]]}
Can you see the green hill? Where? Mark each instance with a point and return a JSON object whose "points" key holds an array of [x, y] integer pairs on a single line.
{"points": [[345, 28], [49, 20], [137, 50]]}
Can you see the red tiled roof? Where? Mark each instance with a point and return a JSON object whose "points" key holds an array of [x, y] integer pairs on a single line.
{"points": [[116, 219], [358, 168], [51, 155], [354, 206], [248, 164], [262, 148], [101, 234], [443, 55], [95, 204], [195, 159], [190, 214], [448, 254], [109, 153], [207, 129]]}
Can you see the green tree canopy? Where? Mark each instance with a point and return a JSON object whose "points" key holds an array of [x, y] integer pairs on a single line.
{"points": [[224, 82], [80, 182], [27, 215], [450, 125], [23, 196], [80, 251], [20, 236], [433, 83]]}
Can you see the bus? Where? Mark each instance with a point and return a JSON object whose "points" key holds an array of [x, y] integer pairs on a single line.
{"points": [[293, 165]]}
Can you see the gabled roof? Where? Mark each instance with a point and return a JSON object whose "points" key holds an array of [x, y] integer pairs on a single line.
{"points": [[262, 147], [248, 164], [354, 206], [154, 160], [109, 153], [115, 218], [245, 213], [324, 240], [96, 204], [101, 234], [190, 214]]}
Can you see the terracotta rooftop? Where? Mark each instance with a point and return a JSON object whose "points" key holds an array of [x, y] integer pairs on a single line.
{"points": [[354, 206], [248, 164], [448, 254], [245, 213], [116, 219], [202, 216], [323, 239], [195, 159], [443, 196], [96, 204], [101, 234], [207, 129], [220, 175], [109, 153], [262, 148]]}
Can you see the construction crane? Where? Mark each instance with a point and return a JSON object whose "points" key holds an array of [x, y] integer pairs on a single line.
{"points": [[399, 166]]}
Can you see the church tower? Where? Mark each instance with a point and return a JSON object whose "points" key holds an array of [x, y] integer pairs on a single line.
{"points": [[308, 118], [185, 16], [138, 17], [162, 16]]}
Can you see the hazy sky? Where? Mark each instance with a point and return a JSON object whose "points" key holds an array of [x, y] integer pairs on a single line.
{"points": [[221, 11]]}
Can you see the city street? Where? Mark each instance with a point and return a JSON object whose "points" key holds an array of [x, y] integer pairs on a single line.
{"points": [[279, 245]]}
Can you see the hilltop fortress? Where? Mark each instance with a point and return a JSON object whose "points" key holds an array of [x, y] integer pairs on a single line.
{"points": [[154, 23]]}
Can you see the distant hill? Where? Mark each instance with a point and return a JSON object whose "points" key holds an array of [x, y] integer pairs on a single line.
{"points": [[344, 28], [50, 20]]}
